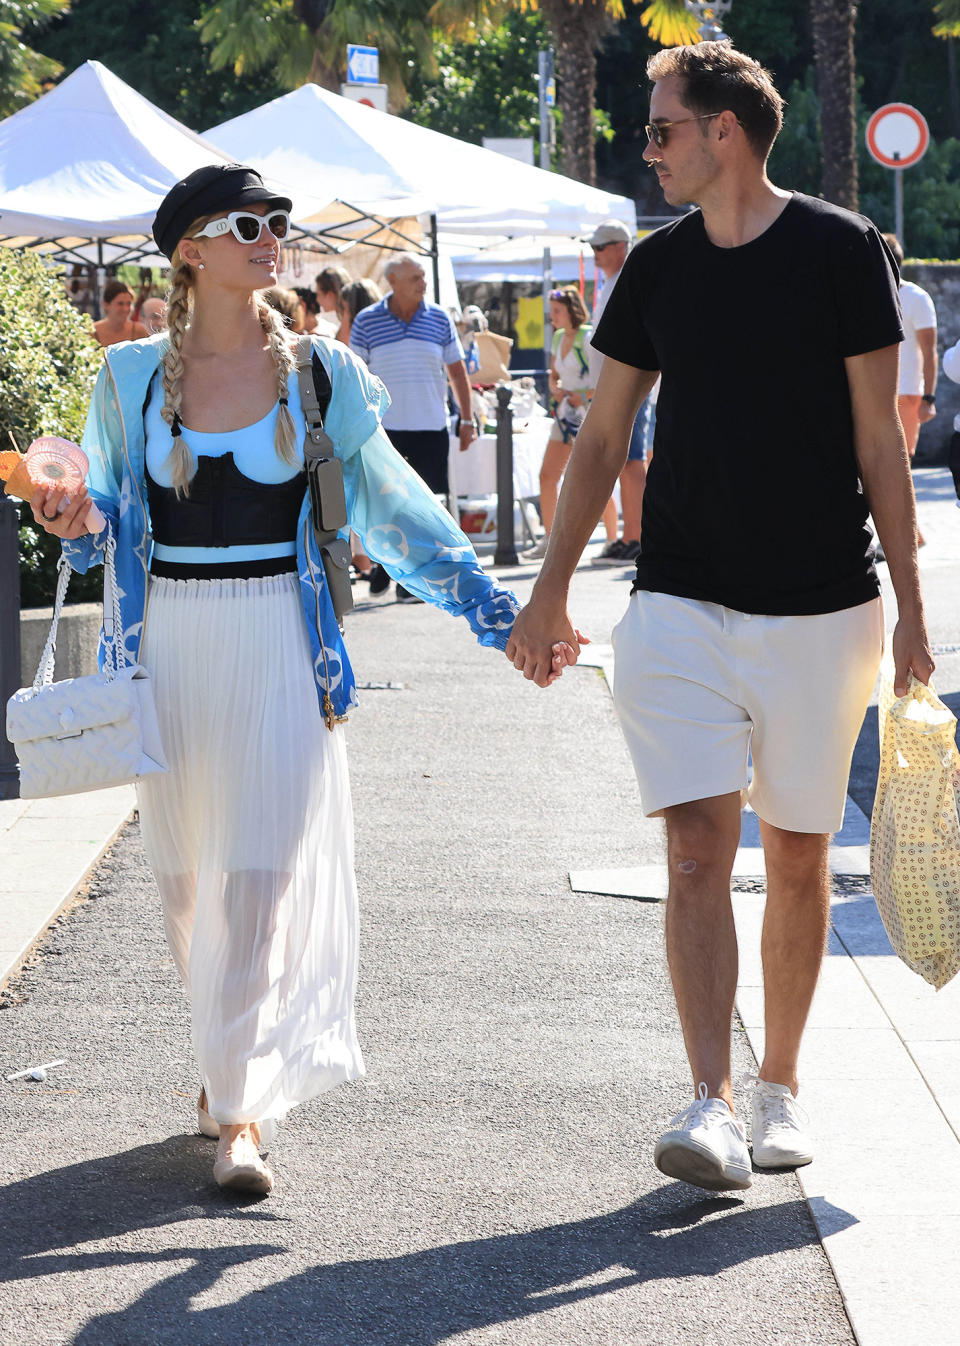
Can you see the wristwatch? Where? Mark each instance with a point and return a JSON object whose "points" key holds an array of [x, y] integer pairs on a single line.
{"points": [[928, 397]]}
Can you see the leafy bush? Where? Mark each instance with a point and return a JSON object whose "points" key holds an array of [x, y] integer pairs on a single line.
{"points": [[49, 360]]}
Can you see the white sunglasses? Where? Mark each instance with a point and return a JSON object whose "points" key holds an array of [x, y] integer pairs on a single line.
{"points": [[246, 226]]}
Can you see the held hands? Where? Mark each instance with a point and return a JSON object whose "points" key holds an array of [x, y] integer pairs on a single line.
{"points": [[69, 525], [542, 644]]}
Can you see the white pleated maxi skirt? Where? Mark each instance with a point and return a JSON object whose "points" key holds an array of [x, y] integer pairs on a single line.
{"points": [[250, 838]]}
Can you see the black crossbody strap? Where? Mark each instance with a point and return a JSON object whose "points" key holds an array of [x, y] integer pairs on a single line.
{"points": [[315, 394], [325, 477]]}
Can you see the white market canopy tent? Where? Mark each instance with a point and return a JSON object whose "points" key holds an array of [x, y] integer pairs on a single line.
{"points": [[521, 262], [336, 147], [90, 162]]}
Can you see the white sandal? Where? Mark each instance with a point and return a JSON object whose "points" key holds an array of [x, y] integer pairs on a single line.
{"points": [[241, 1169]]}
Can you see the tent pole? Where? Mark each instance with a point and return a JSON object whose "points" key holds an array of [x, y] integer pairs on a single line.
{"points": [[435, 259], [547, 329]]}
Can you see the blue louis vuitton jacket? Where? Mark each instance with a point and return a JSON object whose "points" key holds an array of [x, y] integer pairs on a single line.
{"points": [[399, 522]]}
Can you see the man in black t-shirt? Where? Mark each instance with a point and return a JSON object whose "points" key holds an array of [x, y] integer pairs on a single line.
{"points": [[755, 627]]}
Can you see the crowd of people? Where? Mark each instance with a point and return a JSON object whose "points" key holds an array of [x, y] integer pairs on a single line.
{"points": [[744, 664]]}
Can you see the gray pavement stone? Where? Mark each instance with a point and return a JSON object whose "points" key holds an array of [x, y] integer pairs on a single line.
{"points": [[491, 1179]]}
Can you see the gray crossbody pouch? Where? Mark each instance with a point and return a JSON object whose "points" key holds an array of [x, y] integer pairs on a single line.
{"points": [[325, 476]]}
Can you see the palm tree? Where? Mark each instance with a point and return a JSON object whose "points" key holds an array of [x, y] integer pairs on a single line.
{"points": [[833, 27], [576, 27], [306, 40]]}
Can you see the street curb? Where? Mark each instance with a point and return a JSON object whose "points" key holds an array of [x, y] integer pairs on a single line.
{"points": [[25, 891]]}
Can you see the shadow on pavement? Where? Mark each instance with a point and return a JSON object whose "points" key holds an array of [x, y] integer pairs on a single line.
{"points": [[413, 1299]]}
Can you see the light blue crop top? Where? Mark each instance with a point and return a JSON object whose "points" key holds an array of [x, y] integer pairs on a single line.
{"points": [[253, 454]]}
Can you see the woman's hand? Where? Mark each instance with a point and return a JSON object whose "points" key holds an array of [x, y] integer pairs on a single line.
{"points": [[69, 525], [575, 400]]}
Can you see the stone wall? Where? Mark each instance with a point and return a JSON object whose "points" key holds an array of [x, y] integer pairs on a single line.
{"points": [[77, 638], [941, 280]]}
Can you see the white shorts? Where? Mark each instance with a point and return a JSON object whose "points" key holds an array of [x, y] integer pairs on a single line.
{"points": [[698, 687]]}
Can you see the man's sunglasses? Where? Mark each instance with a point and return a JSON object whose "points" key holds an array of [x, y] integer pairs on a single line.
{"points": [[246, 226], [656, 130]]}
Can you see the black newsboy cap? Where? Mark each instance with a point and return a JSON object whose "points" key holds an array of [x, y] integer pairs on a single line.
{"points": [[205, 191]]}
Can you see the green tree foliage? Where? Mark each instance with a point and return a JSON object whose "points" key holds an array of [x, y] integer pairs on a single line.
{"points": [[49, 360], [23, 70], [156, 47], [795, 158], [307, 39], [484, 87]]}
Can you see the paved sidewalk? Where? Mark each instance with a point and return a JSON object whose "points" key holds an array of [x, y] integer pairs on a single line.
{"points": [[48, 847], [881, 1063]]}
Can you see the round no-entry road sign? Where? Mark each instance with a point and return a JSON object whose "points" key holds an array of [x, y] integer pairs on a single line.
{"points": [[897, 135]]}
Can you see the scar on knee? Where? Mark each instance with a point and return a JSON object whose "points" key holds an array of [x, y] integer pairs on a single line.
{"points": [[687, 866]]}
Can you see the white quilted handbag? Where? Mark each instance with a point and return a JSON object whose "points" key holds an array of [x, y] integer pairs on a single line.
{"points": [[85, 733]]}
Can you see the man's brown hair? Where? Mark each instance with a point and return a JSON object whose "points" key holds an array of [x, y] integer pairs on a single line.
{"points": [[893, 243], [718, 78]]}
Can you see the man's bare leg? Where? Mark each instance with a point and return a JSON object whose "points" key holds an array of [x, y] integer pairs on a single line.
{"points": [[702, 839], [794, 939]]}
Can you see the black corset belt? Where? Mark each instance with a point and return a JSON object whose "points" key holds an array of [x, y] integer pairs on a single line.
{"points": [[225, 508]]}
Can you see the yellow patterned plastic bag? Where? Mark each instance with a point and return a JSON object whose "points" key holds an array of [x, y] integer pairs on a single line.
{"points": [[915, 833]]}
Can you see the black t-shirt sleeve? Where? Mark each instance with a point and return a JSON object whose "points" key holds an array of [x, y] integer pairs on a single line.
{"points": [[866, 283], [621, 333]]}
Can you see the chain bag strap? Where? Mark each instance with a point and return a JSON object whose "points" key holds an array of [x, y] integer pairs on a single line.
{"points": [[112, 622], [327, 500]]}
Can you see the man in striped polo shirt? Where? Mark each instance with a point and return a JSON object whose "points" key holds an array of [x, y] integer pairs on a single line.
{"points": [[412, 345]]}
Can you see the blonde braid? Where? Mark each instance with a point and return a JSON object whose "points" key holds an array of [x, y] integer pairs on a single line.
{"points": [[285, 436], [180, 460]]}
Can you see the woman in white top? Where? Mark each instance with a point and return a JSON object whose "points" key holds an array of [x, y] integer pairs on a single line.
{"points": [[574, 369]]}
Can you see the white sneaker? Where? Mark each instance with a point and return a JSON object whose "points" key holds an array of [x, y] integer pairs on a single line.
{"points": [[779, 1137], [706, 1146], [538, 551]]}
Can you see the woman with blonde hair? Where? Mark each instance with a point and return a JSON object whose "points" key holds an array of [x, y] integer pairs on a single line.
{"points": [[196, 445], [574, 370]]}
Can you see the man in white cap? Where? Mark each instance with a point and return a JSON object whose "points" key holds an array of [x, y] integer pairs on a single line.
{"points": [[611, 243]]}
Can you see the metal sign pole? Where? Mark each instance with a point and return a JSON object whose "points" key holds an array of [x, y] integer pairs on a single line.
{"points": [[435, 258], [545, 73], [547, 329], [898, 206]]}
